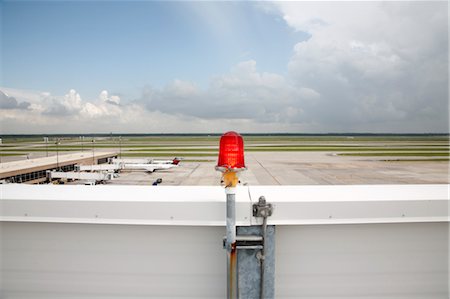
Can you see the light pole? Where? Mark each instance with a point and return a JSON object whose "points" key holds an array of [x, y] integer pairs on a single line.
{"points": [[46, 145], [93, 153], [120, 147], [231, 161], [57, 154]]}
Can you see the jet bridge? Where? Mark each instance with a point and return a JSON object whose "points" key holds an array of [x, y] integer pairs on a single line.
{"points": [[89, 176], [99, 167]]}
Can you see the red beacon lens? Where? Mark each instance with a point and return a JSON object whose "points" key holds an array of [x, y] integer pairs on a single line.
{"points": [[231, 152]]}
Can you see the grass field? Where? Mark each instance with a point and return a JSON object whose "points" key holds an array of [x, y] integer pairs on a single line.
{"points": [[396, 154], [429, 146]]}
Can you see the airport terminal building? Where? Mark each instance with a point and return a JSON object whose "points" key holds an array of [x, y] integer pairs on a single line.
{"points": [[33, 171]]}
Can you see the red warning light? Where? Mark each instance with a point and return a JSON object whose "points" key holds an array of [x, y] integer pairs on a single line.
{"points": [[231, 152]]}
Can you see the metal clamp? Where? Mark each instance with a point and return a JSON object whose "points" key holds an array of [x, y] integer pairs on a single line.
{"points": [[262, 208], [246, 242]]}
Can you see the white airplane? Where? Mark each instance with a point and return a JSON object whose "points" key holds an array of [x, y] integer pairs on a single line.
{"points": [[144, 161], [175, 161], [151, 167], [130, 160]]}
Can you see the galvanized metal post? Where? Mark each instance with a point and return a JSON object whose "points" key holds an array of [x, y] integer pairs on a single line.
{"points": [[232, 288], [250, 267], [262, 258]]}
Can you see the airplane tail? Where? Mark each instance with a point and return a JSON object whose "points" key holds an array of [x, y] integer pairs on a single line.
{"points": [[175, 161]]}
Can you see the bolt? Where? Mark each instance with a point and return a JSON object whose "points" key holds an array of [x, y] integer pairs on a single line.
{"points": [[260, 256], [262, 200]]}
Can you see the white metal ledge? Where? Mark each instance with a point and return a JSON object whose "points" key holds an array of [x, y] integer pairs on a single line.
{"points": [[205, 205], [299, 205]]}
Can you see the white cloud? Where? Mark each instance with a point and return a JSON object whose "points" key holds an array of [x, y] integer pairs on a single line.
{"points": [[373, 66], [375, 62], [106, 98], [68, 105], [91, 110], [8, 102], [131, 118], [242, 94], [72, 100], [367, 67]]}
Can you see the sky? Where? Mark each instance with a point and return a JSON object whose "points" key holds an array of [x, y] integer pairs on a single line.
{"points": [[186, 67]]}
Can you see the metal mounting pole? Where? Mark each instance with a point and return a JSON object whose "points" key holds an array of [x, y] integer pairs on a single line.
{"points": [[232, 289], [264, 210]]}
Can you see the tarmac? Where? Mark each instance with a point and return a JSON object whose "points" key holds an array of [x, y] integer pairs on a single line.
{"points": [[299, 168]]}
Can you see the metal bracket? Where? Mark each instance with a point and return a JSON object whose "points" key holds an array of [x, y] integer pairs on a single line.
{"points": [[247, 242], [262, 208]]}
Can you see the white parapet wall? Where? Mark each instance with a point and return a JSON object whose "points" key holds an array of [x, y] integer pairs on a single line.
{"points": [[377, 241], [205, 205]]}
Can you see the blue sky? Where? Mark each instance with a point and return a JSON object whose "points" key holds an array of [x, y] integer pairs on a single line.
{"points": [[121, 46], [170, 67]]}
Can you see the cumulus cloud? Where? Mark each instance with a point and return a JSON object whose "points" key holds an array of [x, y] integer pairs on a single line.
{"points": [[68, 105], [69, 113], [104, 107], [73, 106], [243, 93], [106, 98], [373, 62], [7, 102], [366, 67], [371, 66], [95, 116]]}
